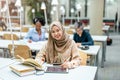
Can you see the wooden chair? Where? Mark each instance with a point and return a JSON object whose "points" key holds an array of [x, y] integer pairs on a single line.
{"points": [[21, 50], [1, 29], [8, 37], [83, 58], [25, 29], [70, 31]]}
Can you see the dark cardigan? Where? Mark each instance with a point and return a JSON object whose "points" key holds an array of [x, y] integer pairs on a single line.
{"points": [[85, 38]]}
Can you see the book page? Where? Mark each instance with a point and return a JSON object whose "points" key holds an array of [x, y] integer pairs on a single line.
{"points": [[30, 62]]}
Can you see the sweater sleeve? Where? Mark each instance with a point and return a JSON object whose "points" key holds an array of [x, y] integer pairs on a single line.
{"points": [[40, 57], [75, 61], [89, 40]]}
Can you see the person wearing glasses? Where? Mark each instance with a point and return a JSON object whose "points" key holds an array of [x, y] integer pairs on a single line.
{"points": [[2, 24], [37, 33], [82, 37]]}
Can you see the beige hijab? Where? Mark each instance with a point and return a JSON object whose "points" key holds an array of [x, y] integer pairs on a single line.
{"points": [[56, 46]]}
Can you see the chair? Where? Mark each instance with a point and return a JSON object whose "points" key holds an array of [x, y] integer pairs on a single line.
{"points": [[25, 29], [83, 58], [70, 31], [1, 29], [21, 50], [8, 37]]}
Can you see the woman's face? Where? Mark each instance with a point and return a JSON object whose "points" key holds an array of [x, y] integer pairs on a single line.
{"points": [[56, 32], [38, 25]]}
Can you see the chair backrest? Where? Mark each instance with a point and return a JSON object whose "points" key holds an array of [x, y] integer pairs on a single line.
{"points": [[1, 29], [9, 37], [83, 58], [25, 29], [70, 31], [21, 50]]}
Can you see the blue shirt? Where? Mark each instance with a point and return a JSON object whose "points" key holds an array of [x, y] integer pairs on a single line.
{"points": [[84, 39], [34, 36]]}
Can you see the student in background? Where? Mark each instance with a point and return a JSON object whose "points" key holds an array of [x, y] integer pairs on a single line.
{"points": [[2, 24], [82, 37], [59, 48], [37, 33]]}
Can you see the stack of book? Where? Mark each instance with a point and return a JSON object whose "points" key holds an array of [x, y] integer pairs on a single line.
{"points": [[22, 70], [26, 67]]}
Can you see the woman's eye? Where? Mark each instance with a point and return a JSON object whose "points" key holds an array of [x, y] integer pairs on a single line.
{"points": [[53, 31]]}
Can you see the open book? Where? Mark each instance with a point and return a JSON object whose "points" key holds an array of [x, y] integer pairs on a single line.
{"points": [[25, 67], [30, 62]]}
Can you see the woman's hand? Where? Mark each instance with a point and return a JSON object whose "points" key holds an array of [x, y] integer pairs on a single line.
{"points": [[78, 44], [66, 65], [40, 61], [30, 41]]}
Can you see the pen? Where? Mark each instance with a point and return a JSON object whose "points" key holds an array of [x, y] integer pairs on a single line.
{"points": [[20, 57], [67, 59]]}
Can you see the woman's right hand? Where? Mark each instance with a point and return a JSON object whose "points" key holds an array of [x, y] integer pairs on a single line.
{"points": [[30, 41], [78, 44]]}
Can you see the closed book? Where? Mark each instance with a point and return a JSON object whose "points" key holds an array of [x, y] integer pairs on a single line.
{"points": [[22, 70]]}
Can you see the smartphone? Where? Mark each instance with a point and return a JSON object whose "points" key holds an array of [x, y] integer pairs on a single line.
{"points": [[57, 64]]}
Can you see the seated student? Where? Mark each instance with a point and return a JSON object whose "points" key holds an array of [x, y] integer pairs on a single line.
{"points": [[2, 24], [37, 33], [59, 48], [82, 37]]}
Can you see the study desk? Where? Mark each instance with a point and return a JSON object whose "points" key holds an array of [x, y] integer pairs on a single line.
{"points": [[5, 62], [94, 51], [104, 28], [32, 46], [22, 34], [14, 28], [79, 73], [103, 40]]}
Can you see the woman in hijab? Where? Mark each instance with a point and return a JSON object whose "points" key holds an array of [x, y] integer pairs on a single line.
{"points": [[59, 48]]}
